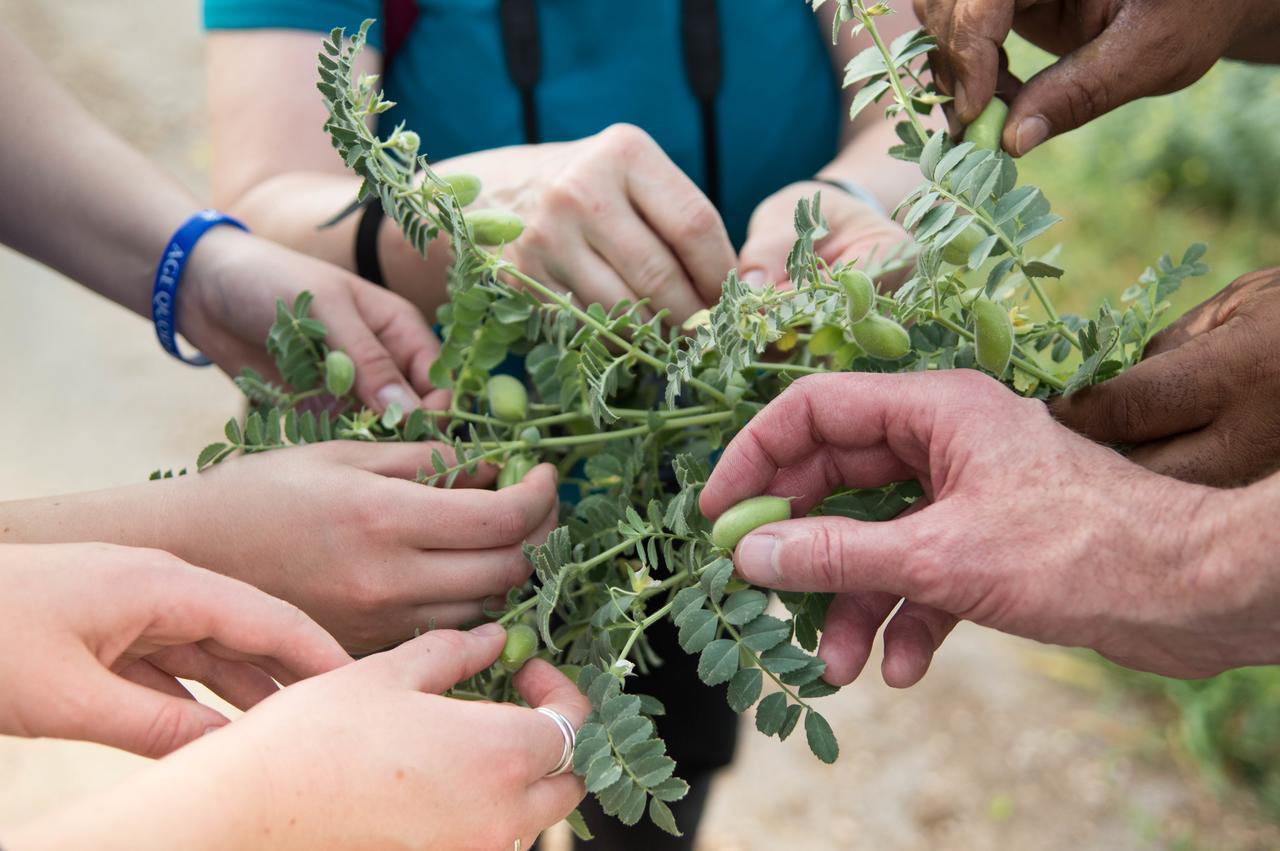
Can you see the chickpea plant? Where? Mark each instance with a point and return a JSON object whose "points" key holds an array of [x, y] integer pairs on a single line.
{"points": [[631, 411]]}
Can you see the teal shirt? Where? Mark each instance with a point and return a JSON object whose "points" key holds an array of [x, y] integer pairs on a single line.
{"points": [[603, 62]]}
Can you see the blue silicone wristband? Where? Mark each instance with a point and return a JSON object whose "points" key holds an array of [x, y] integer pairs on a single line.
{"points": [[164, 295]]}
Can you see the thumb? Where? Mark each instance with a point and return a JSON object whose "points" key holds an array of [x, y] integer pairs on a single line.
{"points": [[836, 554], [135, 718], [763, 258], [1125, 62]]}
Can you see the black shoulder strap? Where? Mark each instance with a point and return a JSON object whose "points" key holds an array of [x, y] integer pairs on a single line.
{"points": [[700, 32], [700, 37], [519, 22], [398, 17]]}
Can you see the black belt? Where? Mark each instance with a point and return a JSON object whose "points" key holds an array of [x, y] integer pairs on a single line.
{"points": [[518, 19]]}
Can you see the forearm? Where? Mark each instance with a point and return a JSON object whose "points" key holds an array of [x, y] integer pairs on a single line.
{"points": [[289, 208], [77, 198], [149, 514], [1241, 567], [189, 800]]}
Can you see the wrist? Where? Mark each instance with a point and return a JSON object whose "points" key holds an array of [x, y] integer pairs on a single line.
{"points": [[204, 296], [191, 800]]}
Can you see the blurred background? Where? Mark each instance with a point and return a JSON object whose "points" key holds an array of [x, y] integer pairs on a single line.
{"points": [[1005, 745]]}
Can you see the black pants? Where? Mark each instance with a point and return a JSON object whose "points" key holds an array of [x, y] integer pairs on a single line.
{"points": [[701, 733]]}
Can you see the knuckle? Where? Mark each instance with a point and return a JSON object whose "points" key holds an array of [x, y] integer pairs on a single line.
{"points": [[564, 196], [698, 220], [165, 732], [826, 557], [507, 524], [653, 275], [518, 571], [624, 139], [367, 593], [1085, 97]]}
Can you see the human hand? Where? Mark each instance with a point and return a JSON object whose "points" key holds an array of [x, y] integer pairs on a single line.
{"points": [[93, 637], [341, 530], [371, 756], [608, 218], [1114, 51], [1025, 527], [855, 231], [228, 303], [1201, 406]]}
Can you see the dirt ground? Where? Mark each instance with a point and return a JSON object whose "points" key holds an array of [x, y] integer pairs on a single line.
{"points": [[1004, 746]]}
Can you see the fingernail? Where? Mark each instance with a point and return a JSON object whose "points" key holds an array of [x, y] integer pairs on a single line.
{"points": [[1031, 132], [208, 730], [396, 394], [961, 100], [755, 560], [754, 278], [488, 630]]}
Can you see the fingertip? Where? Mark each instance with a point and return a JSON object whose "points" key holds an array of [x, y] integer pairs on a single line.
{"points": [[541, 684], [842, 664], [396, 393], [907, 655]]}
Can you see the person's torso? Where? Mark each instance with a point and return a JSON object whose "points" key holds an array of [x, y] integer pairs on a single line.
{"points": [[777, 110]]}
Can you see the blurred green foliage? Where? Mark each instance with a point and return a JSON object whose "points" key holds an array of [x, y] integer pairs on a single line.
{"points": [[1153, 177], [1202, 165]]}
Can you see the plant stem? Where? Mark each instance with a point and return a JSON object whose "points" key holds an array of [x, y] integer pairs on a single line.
{"points": [[894, 80]]}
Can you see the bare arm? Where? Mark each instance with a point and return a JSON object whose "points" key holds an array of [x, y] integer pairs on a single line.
{"points": [[76, 197]]}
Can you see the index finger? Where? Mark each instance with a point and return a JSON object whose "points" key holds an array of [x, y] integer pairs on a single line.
{"points": [[970, 43], [685, 218], [439, 518], [877, 423], [194, 604]]}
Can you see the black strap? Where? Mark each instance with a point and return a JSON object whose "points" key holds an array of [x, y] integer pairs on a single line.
{"points": [[368, 266], [700, 36], [700, 30], [519, 22]]}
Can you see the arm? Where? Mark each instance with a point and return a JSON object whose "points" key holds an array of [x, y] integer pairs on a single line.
{"points": [[1025, 527], [82, 201], [608, 217], [368, 756], [89, 626], [339, 529]]}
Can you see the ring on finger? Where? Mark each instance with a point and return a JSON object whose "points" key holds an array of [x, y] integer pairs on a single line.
{"points": [[570, 740]]}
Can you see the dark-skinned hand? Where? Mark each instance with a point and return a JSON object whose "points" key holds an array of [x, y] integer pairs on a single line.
{"points": [[1113, 52], [1204, 404]]}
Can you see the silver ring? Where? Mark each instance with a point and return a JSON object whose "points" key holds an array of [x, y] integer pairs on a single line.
{"points": [[570, 740]]}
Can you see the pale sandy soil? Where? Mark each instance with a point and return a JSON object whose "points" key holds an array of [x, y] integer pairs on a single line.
{"points": [[1005, 746]]}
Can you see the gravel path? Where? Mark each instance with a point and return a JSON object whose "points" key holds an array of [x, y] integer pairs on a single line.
{"points": [[1005, 745]]}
